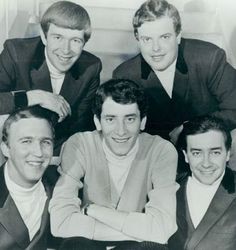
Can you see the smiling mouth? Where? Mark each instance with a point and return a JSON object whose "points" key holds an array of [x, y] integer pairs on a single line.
{"points": [[208, 172], [35, 163], [120, 140], [157, 58], [64, 59]]}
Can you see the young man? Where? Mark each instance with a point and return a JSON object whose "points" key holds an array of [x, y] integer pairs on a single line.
{"points": [[127, 178], [27, 143], [206, 200], [54, 71], [183, 78]]}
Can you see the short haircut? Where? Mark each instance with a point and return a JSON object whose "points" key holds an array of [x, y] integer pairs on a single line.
{"points": [[28, 112], [151, 10], [203, 124], [122, 91], [67, 15]]}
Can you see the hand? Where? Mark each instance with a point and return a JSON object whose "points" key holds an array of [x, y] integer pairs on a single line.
{"points": [[174, 134], [50, 101]]}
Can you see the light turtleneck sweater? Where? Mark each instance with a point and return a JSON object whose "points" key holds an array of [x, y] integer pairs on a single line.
{"points": [[166, 78], [56, 76], [199, 197], [30, 202], [119, 167]]}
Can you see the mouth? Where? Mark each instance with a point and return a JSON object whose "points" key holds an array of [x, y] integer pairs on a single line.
{"points": [[157, 58], [120, 140], [64, 59], [207, 172], [35, 163]]}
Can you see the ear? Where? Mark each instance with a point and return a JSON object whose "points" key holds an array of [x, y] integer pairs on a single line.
{"points": [[5, 149], [228, 155], [43, 37], [97, 123], [185, 156], [143, 123], [179, 37]]}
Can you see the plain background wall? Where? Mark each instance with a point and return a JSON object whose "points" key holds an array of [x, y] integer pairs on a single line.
{"points": [[15, 16]]}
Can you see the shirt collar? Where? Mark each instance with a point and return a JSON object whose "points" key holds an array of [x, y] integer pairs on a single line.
{"points": [[180, 63]]}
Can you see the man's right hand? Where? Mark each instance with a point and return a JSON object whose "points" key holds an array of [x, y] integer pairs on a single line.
{"points": [[51, 101]]}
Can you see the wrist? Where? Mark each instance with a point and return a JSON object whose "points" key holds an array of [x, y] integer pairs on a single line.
{"points": [[20, 98]]}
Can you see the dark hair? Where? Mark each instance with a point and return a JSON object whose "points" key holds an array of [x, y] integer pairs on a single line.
{"points": [[151, 10], [67, 15], [201, 125], [122, 91], [29, 112]]}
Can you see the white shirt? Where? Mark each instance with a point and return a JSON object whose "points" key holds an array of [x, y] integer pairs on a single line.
{"points": [[30, 202], [119, 167], [57, 77], [199, 197], [166, 78]]}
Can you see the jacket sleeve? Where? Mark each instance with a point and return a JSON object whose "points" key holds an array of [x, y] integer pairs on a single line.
{"points": [[11, 97], [158, 222], [222, 86]]}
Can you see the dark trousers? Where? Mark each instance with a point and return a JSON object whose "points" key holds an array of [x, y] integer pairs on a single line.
{"points": [[80, 243]]}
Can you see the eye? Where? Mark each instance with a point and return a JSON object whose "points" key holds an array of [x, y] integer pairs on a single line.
{"points": [[56, 37], [77, 41], [130, 119], [26, 141], [165, 37], [216, 152], [109, 120], [146, 39], [47, 142], [196, 153]]}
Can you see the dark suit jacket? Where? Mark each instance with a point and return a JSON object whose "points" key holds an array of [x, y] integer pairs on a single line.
{"points": [[204, 83], [23, 67], [217, 230], [13, 231]]}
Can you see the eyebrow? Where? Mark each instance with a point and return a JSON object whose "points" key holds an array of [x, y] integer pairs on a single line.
{"points": [[199, 149], [31, 137], [128, 115]]}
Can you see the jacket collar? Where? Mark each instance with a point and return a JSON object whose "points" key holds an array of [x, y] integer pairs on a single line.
{"points": [[223, 197], [181, 65], [14, 224]]}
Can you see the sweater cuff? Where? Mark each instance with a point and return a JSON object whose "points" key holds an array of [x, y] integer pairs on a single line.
{"points": [[20, 98]]}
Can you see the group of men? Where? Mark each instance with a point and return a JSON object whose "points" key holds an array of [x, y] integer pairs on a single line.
{"points": [[116, 186]]}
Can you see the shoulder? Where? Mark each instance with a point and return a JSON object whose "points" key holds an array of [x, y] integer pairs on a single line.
{"points": [[199, 47], [88, 58], [23, 45], [157, 144], [83, 139], [127, 67]]}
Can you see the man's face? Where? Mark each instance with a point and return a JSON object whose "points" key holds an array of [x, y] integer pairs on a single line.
{"points": [[29, 150], [158, 43], [63, 46], [207, 156], [120, 125]]}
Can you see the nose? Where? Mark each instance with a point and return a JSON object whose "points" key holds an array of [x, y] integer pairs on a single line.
{"points": [[37, 149], [155, 45], [206, 163], [66, 46], [121, 128]]}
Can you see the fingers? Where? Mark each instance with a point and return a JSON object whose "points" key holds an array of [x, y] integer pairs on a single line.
{"points": [[51, 101], [65, 106]]}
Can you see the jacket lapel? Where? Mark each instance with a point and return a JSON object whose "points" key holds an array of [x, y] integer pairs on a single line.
{"points": [[40, 77], [221, 201], [13, 224], [71, 88]]}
